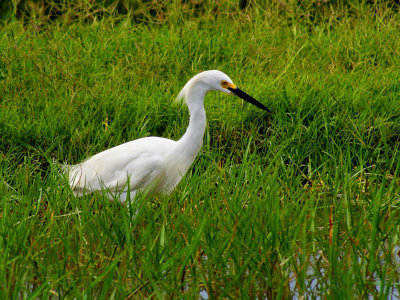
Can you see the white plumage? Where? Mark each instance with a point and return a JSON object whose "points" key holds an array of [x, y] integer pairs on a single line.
{"points": [[153, 164]]}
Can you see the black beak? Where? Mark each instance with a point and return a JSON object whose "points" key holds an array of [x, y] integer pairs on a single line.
{"points": [[245, 97]]}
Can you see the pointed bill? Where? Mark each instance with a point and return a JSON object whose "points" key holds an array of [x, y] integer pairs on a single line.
{"points": [[238, 92]]}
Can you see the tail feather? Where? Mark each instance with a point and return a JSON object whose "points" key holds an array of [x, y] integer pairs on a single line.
{"points": [[72, 172], [62, 168]]}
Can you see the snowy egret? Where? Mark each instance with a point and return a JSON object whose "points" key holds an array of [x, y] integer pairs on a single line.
{"points": [[153, 164]]}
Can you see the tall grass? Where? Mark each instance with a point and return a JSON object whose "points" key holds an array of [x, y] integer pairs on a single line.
{"points": [[305, 203]]}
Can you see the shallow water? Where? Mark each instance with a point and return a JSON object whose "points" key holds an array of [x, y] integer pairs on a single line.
{"points": [[314, 287]]}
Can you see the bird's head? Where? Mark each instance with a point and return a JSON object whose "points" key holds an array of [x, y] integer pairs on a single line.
{"points": [[215, 80]]}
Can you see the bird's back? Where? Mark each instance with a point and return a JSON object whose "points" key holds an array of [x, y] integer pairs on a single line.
{"points": [[133, 165]]}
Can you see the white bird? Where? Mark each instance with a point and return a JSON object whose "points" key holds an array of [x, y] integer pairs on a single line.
{"points": [[153, 164]]}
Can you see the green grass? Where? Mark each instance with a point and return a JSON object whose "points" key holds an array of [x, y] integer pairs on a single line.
{"points": [[305, 203]]}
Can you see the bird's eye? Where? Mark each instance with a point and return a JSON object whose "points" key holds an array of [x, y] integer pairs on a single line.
{"points": [[224, 83]]}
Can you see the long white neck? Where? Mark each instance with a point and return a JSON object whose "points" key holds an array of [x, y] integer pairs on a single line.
{"points": [[191, 142]]}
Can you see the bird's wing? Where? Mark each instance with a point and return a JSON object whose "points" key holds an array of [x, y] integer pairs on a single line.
{"points": [[116, 172]]}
